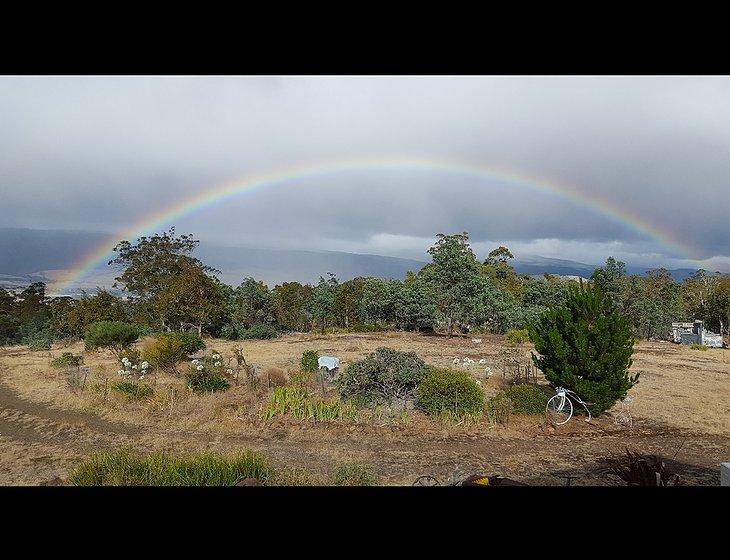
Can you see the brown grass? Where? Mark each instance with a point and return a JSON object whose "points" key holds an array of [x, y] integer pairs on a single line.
{"points": [[680, 389]]}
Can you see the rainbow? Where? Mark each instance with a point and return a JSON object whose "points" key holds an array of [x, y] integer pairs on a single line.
{"points": [[211, 196]]}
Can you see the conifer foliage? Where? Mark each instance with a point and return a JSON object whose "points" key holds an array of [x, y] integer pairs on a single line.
{"points": [[586, 345]]}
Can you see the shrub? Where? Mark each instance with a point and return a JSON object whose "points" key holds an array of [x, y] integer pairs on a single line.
{"points": [[117, 336], [310, 361], [366, 328], [382, 375], [207, 374], [448, 390], [165, 352], [354, 474], [124, 467], [259, 332], [527, 398], [586, 345], [39, 340], [518, 336], [498, 409], [276, 377], [67, 359], [209, 384], [132, 389], [191, 342], [698, 347]]}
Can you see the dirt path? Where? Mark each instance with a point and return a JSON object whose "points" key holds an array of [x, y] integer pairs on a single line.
{"points": [[44, 442]]}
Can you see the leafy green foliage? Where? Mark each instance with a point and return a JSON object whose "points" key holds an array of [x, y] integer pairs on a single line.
{"points": [[452, 278], [165, 352], [382, 375], [67, 359], [354, 474], [191, 342], [125, 467], [310, 361], [38, 340], [320, 306], [517, 336], [527, 398], [117, 336], [134, 390], [302, 404], [586, 346], [449, 390], [207, 374]]}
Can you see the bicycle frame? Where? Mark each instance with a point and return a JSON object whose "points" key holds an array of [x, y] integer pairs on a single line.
{"points": [[566, 393]]}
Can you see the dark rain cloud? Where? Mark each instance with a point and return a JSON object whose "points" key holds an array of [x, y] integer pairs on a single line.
{"points": [[102, 152]]}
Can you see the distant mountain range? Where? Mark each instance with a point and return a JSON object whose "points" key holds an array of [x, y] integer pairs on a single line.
{"points": [[28, 255]]}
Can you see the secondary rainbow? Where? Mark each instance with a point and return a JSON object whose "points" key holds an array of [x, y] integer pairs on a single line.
{"points": [[211, 196]]}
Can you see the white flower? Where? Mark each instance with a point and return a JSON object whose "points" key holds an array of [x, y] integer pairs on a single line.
{"points": [[141, 377], [121, 372], [134, 367], [144, 365], [456, 360], [229, 371], [482, 361], [200, 368], [217, 364], [216, 356]]}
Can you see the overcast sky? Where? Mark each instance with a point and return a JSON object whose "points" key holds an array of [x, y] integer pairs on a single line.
{"points": [[98, 153]]}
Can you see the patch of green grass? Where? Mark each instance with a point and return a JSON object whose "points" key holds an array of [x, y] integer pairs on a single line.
{"points": [[209, 384], [124, 467], [133, 389], [354, 474], [300, 403], [701, 347]]}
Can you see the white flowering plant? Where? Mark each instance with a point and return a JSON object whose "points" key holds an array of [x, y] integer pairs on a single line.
{"points": [[208, 373], [133, 368]]}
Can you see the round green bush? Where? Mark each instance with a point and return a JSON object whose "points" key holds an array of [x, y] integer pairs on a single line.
{"points": [[449, 390], [527, 398], [191, 342], [310, 361], [165, 352], [262, 332], [382, 376], [115, 335]]}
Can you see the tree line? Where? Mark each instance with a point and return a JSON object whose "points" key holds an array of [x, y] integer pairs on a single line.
{"points": [[166, 288]]}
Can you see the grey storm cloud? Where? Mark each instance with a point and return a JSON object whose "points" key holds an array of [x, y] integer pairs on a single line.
{"points": [[100, 152]]}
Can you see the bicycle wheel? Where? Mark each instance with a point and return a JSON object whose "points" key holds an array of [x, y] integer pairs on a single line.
{"points": [[426, 480], [559, 410]]}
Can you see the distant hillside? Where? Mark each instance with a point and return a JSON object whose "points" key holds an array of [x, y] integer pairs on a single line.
{"points": [[28, 255]]}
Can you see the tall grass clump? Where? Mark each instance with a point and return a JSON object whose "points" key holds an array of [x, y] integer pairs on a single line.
{"points": [[498, 409], [302, 404], [125, 467], [517, 336], [354, 474]]}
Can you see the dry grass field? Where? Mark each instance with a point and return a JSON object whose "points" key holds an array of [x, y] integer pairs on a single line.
{"points": [[682, 407]]}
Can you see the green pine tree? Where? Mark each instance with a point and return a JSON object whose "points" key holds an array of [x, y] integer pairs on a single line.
{"points": [[586, 345]]}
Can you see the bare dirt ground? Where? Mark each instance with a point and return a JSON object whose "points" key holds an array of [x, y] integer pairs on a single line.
{"points": [[682, 406]]}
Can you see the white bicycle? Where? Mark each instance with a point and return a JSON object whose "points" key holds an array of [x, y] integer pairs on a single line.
{"points": [[559, 408]]}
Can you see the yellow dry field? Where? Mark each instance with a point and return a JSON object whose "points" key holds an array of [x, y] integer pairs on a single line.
{"points": [[681, 403]]}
